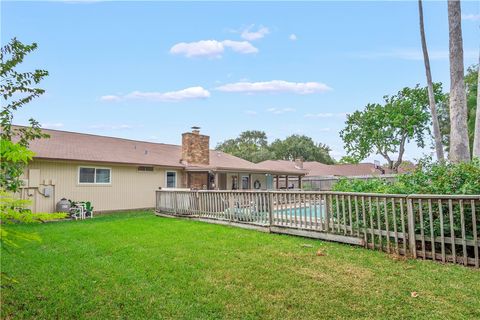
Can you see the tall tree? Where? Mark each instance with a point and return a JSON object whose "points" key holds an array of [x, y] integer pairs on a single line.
{"points": [[459, 146], [253, 146], [249, 145], [17, 89], [431, 97], [443, 108], [386, 129], [300, 146], [476, 136]]}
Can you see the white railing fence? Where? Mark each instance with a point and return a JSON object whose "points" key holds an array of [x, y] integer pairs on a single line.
{"points": [[438, 227]]}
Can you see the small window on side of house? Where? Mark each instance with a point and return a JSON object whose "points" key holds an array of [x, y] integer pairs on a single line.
{"points": [[91, 175], [145, 169]]}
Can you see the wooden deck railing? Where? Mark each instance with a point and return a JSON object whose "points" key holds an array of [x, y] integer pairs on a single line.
{"points": [[438, 227]]}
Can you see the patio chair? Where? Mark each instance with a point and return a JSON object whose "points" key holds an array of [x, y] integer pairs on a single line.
{"points": [[77, 212], [81, 210]]}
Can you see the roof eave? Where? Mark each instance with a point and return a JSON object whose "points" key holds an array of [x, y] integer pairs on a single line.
{"points": [[111, 162]]}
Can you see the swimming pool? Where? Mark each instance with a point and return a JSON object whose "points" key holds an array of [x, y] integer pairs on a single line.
{"points": [[313, 211]]}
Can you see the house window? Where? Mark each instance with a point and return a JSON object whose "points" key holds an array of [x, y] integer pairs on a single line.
{"points": [[171, 179], [94, 175], [145, 169]]}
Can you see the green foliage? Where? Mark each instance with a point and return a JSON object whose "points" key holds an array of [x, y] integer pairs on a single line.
{"points": [[13, 210], [250, 145], [14, 158], [253, 146], [443, 107], [17, 90], [348, 160], [385, 129], [300, 146], [427, 178]]}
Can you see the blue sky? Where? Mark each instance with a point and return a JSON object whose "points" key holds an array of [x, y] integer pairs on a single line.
{"points": [[151, 70]]}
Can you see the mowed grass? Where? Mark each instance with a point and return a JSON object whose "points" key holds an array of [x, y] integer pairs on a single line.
{"points": [[138, 266]]}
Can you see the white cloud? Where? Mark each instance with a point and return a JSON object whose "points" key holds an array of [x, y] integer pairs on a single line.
{"points": [[203, 48], [188, 93], [280, 110], [251, 112], [55, 125], [293, 37], [471, 17], [211, 48], [240, 46], [275, 86], [110, 98], [174, 96], [249, 35]]}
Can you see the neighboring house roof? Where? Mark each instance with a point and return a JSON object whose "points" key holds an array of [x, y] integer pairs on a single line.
{"points": [[281, 165], [317, 169], [347, 170], [64, 145]]}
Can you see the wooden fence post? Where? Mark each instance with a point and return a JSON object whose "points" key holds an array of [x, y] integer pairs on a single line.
{"points": [[175, 202], [412, 243], [270, 208], [327, 214]]}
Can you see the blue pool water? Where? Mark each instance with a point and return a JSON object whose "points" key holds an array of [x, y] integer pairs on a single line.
{"points": [[318, 210]]}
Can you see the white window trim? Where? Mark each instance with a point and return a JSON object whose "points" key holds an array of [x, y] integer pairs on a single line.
{"points": [[176, 179], [94, 176]]}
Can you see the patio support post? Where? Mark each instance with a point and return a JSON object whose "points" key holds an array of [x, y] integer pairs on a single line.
{"points": [[286, 182], [186, 179], [277, 178], [216, 181], [299, 182]]}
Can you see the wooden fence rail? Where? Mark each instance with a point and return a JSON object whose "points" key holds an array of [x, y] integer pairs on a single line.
{"points": [[437, 227]]}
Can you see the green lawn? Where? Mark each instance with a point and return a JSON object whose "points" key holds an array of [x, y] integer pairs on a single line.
{"points": [[138, 266]]}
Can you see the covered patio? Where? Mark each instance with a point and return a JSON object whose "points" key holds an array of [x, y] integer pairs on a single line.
{"points": [[231, 179]]}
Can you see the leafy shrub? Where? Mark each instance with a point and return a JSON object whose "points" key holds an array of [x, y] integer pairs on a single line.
{"points": [[428, 178]]}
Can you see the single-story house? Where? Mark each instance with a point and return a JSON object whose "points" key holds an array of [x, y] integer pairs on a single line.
{"points": [[121, 174]]}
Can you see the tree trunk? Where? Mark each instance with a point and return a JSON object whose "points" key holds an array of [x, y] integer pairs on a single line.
{"points": [[476, 137], [431, 97], [401, 151], [459, 145]]}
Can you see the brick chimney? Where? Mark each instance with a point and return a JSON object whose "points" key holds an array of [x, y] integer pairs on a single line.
{"points": [[195, 147], [299, 163]]}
